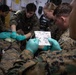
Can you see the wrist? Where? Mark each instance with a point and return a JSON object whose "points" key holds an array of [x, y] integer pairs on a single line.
{"points": [[13, 31], [28, 35], [30, 51], [20, 37], [13, 34]]}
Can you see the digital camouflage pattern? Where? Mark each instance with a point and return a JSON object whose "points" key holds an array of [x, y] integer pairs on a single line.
{"points": [[66, 42], [25, 24], [64, 62], [27, 67], [47, 63], [60, 63], [10, 53], [56, 63]]}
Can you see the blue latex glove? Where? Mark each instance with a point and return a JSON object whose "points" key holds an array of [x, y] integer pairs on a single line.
{"points": [[46, 48], [54, 44], [13, 35], [4, 35], [32, 45], [20, 37]]}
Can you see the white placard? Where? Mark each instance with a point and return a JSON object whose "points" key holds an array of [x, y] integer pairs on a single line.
{"points": [[43, 37]]}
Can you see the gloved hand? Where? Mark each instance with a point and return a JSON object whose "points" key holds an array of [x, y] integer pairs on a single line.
{"points": [[32, 45], [20, 37], [46, 48], [54, 44], [4, 35], [13, 35]]}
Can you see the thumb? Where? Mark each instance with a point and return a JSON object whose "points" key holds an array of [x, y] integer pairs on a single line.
{"points": [[36, 40], [51, 40]]}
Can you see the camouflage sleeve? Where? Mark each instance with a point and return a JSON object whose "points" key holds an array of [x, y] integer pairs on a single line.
{"points": [[60, 63], [66, 42], [56, 63], [35, 23], [15, 17]]}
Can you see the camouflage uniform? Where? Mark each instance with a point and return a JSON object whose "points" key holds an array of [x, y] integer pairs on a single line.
{"points": [[27, 67], [56, 32], [66, 42], [57, 62], [25, 24], [10, 53], [47, 63], [64, 62], [2, 24]]}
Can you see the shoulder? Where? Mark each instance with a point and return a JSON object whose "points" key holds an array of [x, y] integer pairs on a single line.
{"points": [[66, 41], [65, 35], [35, 16]]}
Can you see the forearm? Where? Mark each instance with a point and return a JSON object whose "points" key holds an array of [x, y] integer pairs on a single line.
{"points": [[13, 27], [26, 54], [13, 22], [28, 35]]}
